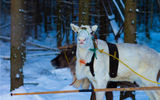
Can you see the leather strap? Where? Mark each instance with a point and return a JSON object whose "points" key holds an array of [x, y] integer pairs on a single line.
{"points": [[113, 63]]}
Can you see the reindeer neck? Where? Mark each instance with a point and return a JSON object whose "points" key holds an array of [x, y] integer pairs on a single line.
{"points": [[84, 53]]}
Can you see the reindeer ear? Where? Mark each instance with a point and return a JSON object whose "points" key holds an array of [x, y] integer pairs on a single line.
{"points": [[75, 28], [94, 28]]}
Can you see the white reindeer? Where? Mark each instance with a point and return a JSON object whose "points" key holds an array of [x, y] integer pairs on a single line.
{"points": [[143, 60]]}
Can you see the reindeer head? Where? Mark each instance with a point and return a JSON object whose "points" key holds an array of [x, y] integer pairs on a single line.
{"points": [[85, 35]]}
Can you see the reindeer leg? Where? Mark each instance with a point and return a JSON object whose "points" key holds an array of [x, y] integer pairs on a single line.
{"points": [[93, 95], [109, 95], [153, 95], [126, 94], [100, 84]]}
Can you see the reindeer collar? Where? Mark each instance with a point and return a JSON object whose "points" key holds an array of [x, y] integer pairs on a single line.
{"points": [[90, 64]]}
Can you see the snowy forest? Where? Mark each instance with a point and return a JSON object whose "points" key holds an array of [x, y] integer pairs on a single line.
{"points": [[36, 42]]}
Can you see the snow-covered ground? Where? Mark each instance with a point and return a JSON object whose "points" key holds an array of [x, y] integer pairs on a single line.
{"points": [[40, 76]]}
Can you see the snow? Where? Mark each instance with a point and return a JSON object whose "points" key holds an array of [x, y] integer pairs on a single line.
{"points": [[115, 26], [152, 43]]}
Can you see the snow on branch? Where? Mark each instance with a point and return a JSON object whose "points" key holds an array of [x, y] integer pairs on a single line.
{"points": [[5, 38], [120, 12], [41, 46], [111, 18], [122, 4], [31, 43]]}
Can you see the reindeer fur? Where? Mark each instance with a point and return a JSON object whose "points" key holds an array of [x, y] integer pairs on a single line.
{"points": [[142, 59]]}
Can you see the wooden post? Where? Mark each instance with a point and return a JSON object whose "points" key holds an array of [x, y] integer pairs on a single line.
{"points": [[91, 90]]}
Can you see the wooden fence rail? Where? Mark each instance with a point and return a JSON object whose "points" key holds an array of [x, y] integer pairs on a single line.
{"points": [[90, 90]]}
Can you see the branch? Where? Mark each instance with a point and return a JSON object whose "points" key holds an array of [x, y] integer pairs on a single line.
{"points": [[5, 38], [40, 54], [4, 26], [30, 55], [120, 12], [31, 43], [42, 46], [121, 1], [5, 57], [37, 49], [7, 1]]}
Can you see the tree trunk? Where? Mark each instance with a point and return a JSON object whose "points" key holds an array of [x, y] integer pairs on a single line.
{"points": [[103, 24], [59, 24], [84, 12], [73, 19], [17, 43], [130, 21], [45, 16], [147, 19], [36, 18], [129, 34]]}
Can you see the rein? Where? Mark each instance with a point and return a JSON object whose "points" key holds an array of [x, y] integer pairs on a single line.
{"points": [[114, 57]]}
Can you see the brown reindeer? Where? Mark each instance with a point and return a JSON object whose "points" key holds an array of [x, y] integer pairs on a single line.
{"points": [[67, 59]]}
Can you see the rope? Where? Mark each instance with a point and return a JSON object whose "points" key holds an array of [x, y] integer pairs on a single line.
{"points": [[66, 57], [69, 64], [102, 51]]}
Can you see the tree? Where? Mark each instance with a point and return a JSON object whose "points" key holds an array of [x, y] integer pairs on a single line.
{"points": [[147, 19], [84, 12], [103, 23], [59, 23], [17, 43], [47, 14], [129, 33], [130, 21]]}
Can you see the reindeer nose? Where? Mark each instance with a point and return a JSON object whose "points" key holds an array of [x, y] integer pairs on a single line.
{"points": [[81, 40]]}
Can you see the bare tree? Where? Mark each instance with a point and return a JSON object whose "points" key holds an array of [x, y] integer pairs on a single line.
{"points": [[17, 43]]}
